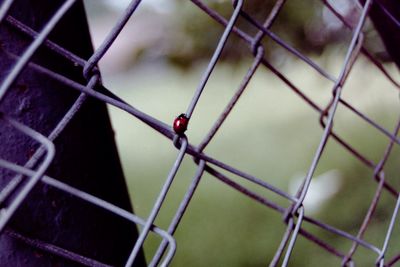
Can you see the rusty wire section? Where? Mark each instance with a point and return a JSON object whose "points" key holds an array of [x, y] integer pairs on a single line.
{"points": [[294, 215]]}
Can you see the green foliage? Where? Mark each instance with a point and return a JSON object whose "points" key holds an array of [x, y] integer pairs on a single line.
{"points": [[200, 33], [224, 228]]}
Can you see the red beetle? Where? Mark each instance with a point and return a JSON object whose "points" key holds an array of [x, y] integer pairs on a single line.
{"points": [[180, 124]]}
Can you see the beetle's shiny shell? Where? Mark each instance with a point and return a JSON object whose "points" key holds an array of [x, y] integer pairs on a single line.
{"points": [[180, 124]]}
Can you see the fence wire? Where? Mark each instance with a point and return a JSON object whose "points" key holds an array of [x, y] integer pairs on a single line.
{"points": [[26, 176]]}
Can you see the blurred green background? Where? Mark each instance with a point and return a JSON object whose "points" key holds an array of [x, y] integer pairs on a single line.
{"points": [[156, 64]]}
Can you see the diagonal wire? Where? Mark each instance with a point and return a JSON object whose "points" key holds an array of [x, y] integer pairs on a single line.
{"points": [[157, 205], [335, 100], [296, 210], [388, 13], [16, 181], [108, 41], [304, 97], [201, 156], [95, 201], [295, 233], [5, 6], [179, 213], [380, 258], [364, 50], [327, 132], [30, 51], [201, 165], [79, 61], [55, 250], [10, 210], [215, 57], [193, 152], [380, 175]]}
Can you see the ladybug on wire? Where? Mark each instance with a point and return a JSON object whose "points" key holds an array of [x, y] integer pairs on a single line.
{"points": [[180, 124]]}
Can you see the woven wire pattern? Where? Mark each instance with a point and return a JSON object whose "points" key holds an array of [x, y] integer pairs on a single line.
{"points": [[293, 215]]}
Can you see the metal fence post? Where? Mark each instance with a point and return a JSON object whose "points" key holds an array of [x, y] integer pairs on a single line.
{"points": [[52, 228]]}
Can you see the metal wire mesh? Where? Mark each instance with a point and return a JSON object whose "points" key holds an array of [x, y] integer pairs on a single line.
{"points": [[293, 215]]}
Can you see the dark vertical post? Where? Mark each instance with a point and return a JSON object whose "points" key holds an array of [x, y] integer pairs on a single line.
{"points": [[385, 14], [86, 155]]}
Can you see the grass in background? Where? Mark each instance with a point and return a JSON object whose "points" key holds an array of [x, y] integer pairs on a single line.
{"points": [[271, 134]]}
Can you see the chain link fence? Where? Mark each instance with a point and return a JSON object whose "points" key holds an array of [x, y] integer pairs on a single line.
{"points": [[33, 171]]}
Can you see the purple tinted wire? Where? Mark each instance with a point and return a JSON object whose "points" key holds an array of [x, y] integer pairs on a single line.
{"points": [[179, 213], [113, 100], [342, 233], [280, 209], [116, 210], [351, 60], [259, 56], [393, 261], [215, 57], [79, 61], [233, 101], [294, 236], [198, 155], [213, 14], [371, 122], [327, 132], [165, 130], [380, 66], [365, 222], [360, 157], [217, 17], [220, 19], [5, 6], [335, 100], [30, 51], [223, 178], [23, 193], [289, 48], [282, 244], [158, 203], [350, 149], [201, 165], [158, 126], [388, 13], [242, 174], [294, 88], [200, 148], [49, 44], [327, 247], [9, 188], [244, 36], [364, 50], [72, 111], [55, 250], [16, 181], [108, 41], [276, 207], [380, 176], [380, 259], [390, 188], [95, 201], [276, 9]]}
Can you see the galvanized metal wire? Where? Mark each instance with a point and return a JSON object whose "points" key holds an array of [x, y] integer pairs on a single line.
{"points": [[293, 215]]}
